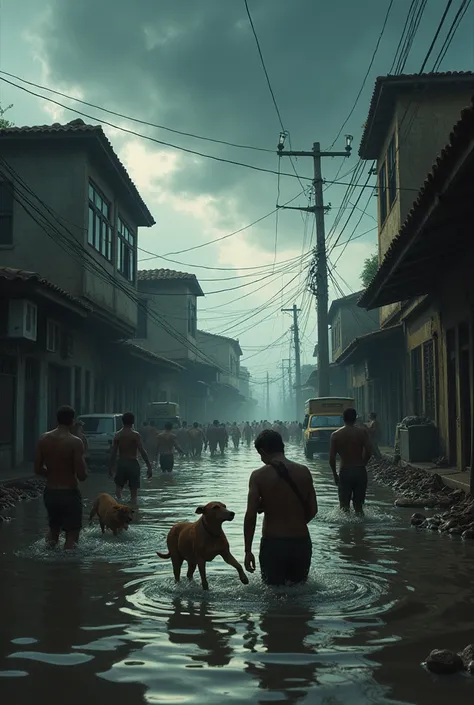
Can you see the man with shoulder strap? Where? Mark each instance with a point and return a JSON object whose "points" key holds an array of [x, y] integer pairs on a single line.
{"points": [[284, 492]]}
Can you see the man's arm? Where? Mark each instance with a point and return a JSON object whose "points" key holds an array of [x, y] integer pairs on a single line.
{"points": [[332, 458], [80, 468], [113, 456], [367, 447], [144, 455], [39, 460], [177, 446], [312, 501], [250, 520]]}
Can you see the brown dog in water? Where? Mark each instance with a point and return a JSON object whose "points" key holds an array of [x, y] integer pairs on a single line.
{"points": [[112, 515], [200, 542]]}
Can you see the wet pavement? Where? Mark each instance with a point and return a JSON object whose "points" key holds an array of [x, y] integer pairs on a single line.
{"points": [[109, 625]]}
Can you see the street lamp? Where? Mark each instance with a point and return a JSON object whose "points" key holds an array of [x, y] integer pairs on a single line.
{"points": [[349, 139]]}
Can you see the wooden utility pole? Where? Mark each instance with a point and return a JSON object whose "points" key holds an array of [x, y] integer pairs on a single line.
{"points": [[296, 339], [320, 255], [268, 396]]}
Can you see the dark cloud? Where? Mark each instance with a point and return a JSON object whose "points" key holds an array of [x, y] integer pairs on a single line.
{"points": [[193, 65]]}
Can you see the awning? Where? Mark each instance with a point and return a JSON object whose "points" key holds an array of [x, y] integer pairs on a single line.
{"points": [[360, 347], [437, 229]]}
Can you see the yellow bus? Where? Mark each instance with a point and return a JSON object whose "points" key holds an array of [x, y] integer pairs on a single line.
{"points": [[322, 416]]}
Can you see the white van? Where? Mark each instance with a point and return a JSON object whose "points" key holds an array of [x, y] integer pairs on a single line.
{"points": [[100, 429]]}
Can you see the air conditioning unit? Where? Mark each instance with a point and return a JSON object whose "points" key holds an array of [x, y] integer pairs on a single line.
{"points": [[22, 319]]}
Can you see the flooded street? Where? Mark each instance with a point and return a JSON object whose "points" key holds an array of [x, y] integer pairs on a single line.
{"points": [[109, 625]]}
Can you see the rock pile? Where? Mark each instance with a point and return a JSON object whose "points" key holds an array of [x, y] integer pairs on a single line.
{"points": [[444, 662], [415, 488], [18, 490], [458, 520]]}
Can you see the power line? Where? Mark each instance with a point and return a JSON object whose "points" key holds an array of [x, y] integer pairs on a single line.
{"points": [[387, 14], [153, 139], [458, 18], [135, 119], [440, 26]]}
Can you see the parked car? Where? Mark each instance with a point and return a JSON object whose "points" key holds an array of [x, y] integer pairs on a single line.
{"points": [[100, 429]]}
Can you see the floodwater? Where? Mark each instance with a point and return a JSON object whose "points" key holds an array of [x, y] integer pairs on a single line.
{"points": [[108, 625]]}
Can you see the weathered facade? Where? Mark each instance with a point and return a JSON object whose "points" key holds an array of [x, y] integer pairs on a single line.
{"points": [[347, 322], [225, 353], [429, 266]]}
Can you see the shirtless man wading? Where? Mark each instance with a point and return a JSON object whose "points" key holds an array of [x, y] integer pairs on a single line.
{"points": [[60, 459], [284, 492], [127, 443], [354, 447], [167, 442]]}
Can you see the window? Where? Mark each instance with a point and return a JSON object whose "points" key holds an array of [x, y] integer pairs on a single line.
{"points": [[53, 335], [328, 421], [98, 424], [99, 233], [6, 213], [142, 318], [192, 323], [383, 193], [392, 172], [125, 251]]}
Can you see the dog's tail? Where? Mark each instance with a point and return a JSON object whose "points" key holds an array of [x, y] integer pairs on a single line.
{"points": [[93, 511], [163, 555]]}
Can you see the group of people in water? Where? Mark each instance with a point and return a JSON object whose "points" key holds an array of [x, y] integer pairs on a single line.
{"points": [[193, 440], [282, 489]]}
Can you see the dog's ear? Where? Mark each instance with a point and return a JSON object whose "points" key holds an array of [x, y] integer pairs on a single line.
{"points": [[200, 510]]}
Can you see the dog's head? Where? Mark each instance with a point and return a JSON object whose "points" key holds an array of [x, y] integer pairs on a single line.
{"points": [[124, 515], [216, 511]]}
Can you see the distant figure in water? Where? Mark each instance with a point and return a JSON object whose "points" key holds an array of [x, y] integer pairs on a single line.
{"points": [[375, 433], [235, 434], [284, 492], [60, 459], [182, 435], [354, 447], [167, 442], [196, 436], [127, 443]]}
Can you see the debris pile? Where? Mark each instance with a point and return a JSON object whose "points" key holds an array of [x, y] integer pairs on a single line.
{"points": [[18, 490], [445, 662]]}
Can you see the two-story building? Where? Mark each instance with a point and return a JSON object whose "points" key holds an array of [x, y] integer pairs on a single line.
{"points": [[69, 219], [429, 267], [225, 353]]}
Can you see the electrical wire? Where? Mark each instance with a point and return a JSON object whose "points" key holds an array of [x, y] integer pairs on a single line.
{"points": [[451, 33], [440, 26], [153, 139], [135, 119]]}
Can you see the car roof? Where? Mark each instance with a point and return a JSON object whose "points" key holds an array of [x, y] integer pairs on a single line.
{"points": [[97, 416]]}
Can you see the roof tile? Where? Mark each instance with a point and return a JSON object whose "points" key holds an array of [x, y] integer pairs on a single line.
{"points": [[78, 126], [461, 134], [11, 274]]}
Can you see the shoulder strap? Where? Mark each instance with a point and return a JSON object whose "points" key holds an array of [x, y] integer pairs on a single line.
{"points": [[282, 471]]}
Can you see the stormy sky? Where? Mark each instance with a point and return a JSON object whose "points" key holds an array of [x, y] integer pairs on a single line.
{"points": [[193, 66]]}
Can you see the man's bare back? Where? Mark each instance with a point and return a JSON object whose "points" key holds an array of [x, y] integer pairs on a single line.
{"points": [[167, 442], [128, 443], [352, 445], [284, 514], [60, 459]]}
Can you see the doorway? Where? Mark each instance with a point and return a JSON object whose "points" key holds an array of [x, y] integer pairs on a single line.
{"points": [[452, 407], [465, 395], [30, 412]]}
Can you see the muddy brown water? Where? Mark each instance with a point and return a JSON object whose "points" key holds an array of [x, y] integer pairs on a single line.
{"points": [[109, 625]]}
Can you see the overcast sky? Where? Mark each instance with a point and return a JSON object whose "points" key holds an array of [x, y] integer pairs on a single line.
{"points": [[193, 66]]}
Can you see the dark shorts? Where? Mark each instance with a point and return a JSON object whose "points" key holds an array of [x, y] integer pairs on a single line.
{"points": [[285, 560], [352, 485], [64, 509], [128, 472], [167, 462]]}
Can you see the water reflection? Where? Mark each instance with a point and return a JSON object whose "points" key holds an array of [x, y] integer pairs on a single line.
{"points": [[283, 660]]}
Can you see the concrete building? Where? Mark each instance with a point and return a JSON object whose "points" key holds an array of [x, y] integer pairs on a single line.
{"points": [[429, 267], [69, 219], [225, 353], [409, 122], [347, 321]]}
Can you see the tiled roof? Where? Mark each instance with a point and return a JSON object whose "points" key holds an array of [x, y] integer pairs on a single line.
{"points": [[232, 341], [158, 275], [386, 88], [336, 304], [376, 335], [460, 137], [153, 357], [79, 127], [11, 274]]}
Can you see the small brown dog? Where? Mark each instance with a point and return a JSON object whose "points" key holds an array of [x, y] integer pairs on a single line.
{"points": [[201, 541], [112, 515]]}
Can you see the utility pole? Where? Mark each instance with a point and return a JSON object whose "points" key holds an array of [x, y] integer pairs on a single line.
{"points": [[290, 381], [268, 396], [283, 385], [320, 267], [296, 339]]}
